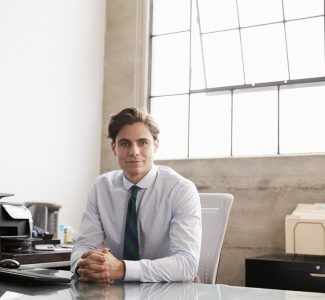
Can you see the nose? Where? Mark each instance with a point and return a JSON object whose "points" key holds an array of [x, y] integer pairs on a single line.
{"points": [[134, 149]]}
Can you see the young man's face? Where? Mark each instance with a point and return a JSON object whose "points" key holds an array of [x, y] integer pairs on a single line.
{"points": [[135, 147]]}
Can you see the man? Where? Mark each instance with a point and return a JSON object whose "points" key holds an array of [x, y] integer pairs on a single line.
{"points": [[163, 206]]}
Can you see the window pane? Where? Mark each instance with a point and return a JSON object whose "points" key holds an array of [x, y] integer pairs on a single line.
{"points": [[223, 61], [253, 12], [236, 42], [302, 119], [264, 53], [170, 16], [255, 124], [210, 130], [170, 64], [197, 67], [306, 48], [217, 14], [294, 9], [172, 117]]}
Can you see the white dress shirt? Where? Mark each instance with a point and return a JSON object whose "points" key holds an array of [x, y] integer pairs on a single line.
{"points": [[169, 224]]}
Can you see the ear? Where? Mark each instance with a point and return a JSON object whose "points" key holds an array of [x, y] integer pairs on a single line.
{"points": [[156, 145], [113, 146]]}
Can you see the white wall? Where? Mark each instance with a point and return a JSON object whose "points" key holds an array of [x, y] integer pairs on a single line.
{"points": [[51, 74]]}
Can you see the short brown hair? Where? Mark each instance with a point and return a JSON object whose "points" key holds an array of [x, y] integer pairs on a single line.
{"points": [[129, 116]]}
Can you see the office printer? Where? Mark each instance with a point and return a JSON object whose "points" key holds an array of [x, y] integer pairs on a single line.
{"points": [[305, 230], [15, 225]]}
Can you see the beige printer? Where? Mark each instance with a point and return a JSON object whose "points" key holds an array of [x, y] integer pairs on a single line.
{"points": [[305, 230]]}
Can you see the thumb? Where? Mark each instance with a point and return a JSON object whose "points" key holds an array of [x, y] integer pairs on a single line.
{"points": [[106, 250]]}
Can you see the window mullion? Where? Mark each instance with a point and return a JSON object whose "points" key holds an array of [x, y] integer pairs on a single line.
{"points": [[241, 44], [201, 43]]}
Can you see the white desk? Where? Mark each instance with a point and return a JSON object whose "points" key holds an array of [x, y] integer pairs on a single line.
{"points": [[139, 291]]}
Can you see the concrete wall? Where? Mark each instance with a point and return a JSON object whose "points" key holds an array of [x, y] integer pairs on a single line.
{"points": [[126, 60], [265, 188]]}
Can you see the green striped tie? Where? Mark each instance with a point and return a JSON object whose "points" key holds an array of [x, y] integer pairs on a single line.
{"points": [[131, 244]]}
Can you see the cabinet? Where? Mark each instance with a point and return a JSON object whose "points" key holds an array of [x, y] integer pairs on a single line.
{"points": [[286, 272]]}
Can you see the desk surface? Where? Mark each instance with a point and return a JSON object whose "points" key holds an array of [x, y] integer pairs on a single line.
{"points": [[40, 259], [162, 291]]}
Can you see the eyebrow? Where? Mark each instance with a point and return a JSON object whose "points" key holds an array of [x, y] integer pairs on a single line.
{"points": [[138, 140], [124, 140]]}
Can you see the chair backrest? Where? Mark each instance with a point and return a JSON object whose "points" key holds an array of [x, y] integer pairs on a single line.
{"points": [[215, 213]]}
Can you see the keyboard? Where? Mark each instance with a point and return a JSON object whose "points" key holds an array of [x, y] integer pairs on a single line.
{"points": [[34, 275]]}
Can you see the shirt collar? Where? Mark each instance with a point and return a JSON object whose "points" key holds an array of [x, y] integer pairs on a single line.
{"points": [[145, 182]]}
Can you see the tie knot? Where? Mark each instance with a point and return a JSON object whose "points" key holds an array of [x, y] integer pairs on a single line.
{"points": [[134, 190]]}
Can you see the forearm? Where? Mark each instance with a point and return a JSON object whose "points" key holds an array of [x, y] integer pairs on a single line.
{"points": [[90, 235], [178, 267], [75, 258]]}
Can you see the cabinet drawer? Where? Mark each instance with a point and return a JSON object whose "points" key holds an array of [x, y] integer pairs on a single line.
{"points": [[286, 272]]}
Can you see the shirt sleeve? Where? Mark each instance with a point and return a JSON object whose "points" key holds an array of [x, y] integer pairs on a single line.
{"points": [[185, 243], [91, 234]]}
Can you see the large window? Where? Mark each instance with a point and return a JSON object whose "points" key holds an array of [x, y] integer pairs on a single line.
{"points": [[238, 77]]}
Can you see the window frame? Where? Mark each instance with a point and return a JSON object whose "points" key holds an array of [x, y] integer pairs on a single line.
{"points": [[230, 88]]}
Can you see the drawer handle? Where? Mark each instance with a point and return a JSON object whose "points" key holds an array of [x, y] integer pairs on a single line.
{"points": [[317, 275]]}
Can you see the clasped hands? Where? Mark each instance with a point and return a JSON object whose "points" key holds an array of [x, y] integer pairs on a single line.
{"points": [[100, 266]]}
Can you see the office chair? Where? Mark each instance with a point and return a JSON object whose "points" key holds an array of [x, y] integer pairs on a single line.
{"points": [[215, 209]]}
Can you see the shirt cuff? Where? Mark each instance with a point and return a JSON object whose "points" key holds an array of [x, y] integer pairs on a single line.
{"points": [[132, 270], [74, 268]]}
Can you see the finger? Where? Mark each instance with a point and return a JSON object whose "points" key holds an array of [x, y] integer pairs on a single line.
{"points": [[86, 254], [91, 252], [85, 270], [95, 280], [92, 267], [106, 250], [95, 276], [93, 258]]}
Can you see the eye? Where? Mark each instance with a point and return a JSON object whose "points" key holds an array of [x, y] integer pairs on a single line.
{"points": [[124, 144], [143, 143]]}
